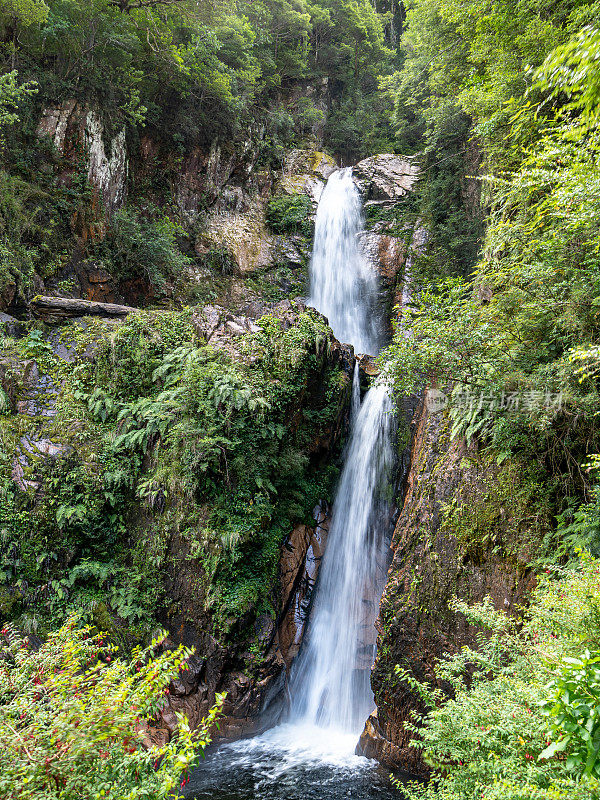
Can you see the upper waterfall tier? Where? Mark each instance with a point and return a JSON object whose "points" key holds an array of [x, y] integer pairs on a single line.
{"points": [[343, 285]]}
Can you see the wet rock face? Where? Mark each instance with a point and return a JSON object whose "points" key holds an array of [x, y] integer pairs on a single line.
{"points": [[457, 535], [300, 563], [389, 255], [373, 744]]}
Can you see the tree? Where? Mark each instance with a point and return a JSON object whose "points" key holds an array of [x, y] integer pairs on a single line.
{"points": [[11, 93]]}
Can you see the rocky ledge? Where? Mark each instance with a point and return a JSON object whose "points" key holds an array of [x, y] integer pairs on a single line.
{"points": [[53, 431]]}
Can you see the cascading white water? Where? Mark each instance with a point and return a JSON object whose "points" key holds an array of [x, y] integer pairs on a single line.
{"points": [[343, 284], [312, 755], [330, 684]]}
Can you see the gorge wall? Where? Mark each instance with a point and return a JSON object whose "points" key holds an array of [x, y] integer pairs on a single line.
{"points": [[468, 528]]}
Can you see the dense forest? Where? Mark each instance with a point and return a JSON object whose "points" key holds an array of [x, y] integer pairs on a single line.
{"points": [[155, 157]]}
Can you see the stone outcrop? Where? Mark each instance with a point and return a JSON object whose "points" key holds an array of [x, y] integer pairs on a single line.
{"points": [[71, 126], [306, 172], [385, 178], [384, 181], [244, 235], [465, 531], [239, 227], [107, 172]]}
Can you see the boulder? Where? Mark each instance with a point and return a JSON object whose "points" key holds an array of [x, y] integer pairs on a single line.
{"points": [[385, 178], [10, 326], [373, 745]]}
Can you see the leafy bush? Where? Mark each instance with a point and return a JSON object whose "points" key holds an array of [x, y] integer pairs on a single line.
{"points": [[574, 714], [74, 719], [221, 261], [522, 723], [290, 213], [140, 247]]}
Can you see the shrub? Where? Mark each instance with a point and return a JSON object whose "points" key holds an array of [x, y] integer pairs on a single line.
{"points": [[290, 213], [522, 723], [138, 247], [74, 719]]}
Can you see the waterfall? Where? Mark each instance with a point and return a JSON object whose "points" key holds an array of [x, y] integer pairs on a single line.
{"points": [[330, 682], [343, 285], [330, 685], [312, 755]]}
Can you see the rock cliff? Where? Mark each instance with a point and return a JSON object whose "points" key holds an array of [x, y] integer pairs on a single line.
{"points": [[226, 562], [468, 528]]}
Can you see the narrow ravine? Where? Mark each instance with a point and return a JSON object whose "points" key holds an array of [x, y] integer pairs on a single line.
{"points": [[312, 755]]}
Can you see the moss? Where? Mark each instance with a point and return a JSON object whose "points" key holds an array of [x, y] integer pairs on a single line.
{"points": [[506, 509]]}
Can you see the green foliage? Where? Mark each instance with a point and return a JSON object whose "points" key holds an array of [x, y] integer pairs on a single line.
{"points": [[25, 12], [35, 212], [171, 438], [290, 213], [502, 734], [573, 710], [138, 246], [572, 70], [221, 261], [518, 333], [74, 718], [11, 95]]}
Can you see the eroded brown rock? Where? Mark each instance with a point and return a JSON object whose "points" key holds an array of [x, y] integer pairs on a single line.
{"points": [[300, 563]]}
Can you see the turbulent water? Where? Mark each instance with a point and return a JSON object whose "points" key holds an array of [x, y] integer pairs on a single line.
{"points": [[312, 755], [290, 763]]}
